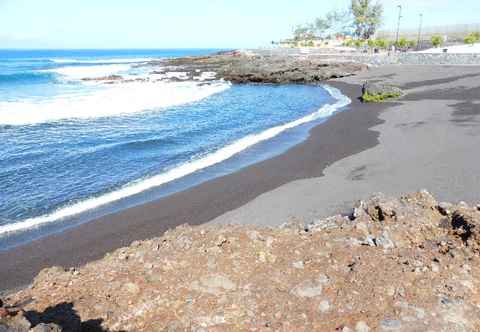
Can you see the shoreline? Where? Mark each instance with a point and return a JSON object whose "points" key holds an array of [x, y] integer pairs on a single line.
{"points": [[343, 134], [180, 178]]}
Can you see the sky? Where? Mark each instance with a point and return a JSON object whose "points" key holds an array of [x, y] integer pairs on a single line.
{"points": [[191, 23]]}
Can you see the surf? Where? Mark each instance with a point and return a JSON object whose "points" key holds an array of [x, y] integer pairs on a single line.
{"points": [[142, 185], [107, 101]]}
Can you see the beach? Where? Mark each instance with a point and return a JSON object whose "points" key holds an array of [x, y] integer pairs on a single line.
{"points": [[427, 139]]}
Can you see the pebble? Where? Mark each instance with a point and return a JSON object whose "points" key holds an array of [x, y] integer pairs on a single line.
{"points": [[298, 265], [131, 287], [3, 313], [385, 241], [390, 325], [390, 291], [214, 285], [324, 306], [362, 327], [308, 289], [445, 208], [42, 327]]}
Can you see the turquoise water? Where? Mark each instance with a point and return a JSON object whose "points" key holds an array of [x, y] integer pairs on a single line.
{"points": [[71, 150]]}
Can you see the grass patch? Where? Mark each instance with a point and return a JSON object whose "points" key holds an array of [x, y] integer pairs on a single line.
{"points": [[368, 98]]}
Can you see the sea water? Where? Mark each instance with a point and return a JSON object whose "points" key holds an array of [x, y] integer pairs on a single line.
{"points": [[72, 150]]}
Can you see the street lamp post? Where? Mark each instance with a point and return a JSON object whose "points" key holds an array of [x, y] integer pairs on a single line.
{"points": [[398, 26], [420, 32]]}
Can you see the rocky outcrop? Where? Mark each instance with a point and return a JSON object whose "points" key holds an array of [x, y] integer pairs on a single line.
{"points": [[241, 67], [376, 92], [104, 78], [407, 264]]}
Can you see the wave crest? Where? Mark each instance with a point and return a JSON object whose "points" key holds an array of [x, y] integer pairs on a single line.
{"points": [[118, 99], [79, 72], [179, 172]]}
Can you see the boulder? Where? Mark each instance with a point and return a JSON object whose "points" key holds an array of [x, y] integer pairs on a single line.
{"points": [[375, 92], [375, 89]]}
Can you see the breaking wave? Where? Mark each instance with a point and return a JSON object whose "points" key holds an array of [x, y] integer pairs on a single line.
{"points": [[183, 170], [114, 100]]}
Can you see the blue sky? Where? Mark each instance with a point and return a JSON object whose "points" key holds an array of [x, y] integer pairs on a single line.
{"points": [[189, 23]]}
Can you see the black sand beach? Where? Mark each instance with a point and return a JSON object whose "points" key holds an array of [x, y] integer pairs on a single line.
{"points": [[345, 134]]}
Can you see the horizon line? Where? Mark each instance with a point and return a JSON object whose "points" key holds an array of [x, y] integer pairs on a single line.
{"points": [[112, 48]]}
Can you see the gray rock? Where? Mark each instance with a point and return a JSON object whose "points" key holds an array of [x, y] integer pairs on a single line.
{"points": [[16, 323], [213, 285], [324, 306], [369, 241], [362, 327], [46, 328], [308, 289], [385, 241], [390, 325], [378, 89], [445, 208]]}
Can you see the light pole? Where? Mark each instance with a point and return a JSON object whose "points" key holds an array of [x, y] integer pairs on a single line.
{"points": [[398, 26], [420, 32]]}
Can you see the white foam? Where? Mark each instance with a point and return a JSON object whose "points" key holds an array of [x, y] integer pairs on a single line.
{"points": [[111, 100], [128, 60], [79, 72], [179, 172]]}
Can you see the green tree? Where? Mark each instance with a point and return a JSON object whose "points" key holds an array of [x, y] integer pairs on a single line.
{"points": [[303, 33], [412, 43], [470, 39], [335, 22], [359, 43], [402, 42], [371, 43], [382, 43], [436, 40], [367, 17]]}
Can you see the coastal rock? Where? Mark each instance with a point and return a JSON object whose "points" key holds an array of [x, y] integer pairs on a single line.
{"points": [[16, 322], [379, 91], [417, 265], [104, 78], [42, 327], [243, 67]]}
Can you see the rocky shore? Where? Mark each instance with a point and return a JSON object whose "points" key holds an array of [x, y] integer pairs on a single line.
{"points": [[243, 67], [407, 264]]}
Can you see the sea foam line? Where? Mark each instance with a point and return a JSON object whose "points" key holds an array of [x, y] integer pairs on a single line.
{"points": [[179, 172], [114, 100], [79, 72], [119, 60]]}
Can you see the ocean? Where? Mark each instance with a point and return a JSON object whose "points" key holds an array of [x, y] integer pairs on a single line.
{"points": [[72, 150]]}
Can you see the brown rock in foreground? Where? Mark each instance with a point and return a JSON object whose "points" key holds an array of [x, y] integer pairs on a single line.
{"points": [[406, 264]]}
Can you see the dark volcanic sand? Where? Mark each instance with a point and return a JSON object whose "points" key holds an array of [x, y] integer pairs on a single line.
{"points": [[344, 134]]}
